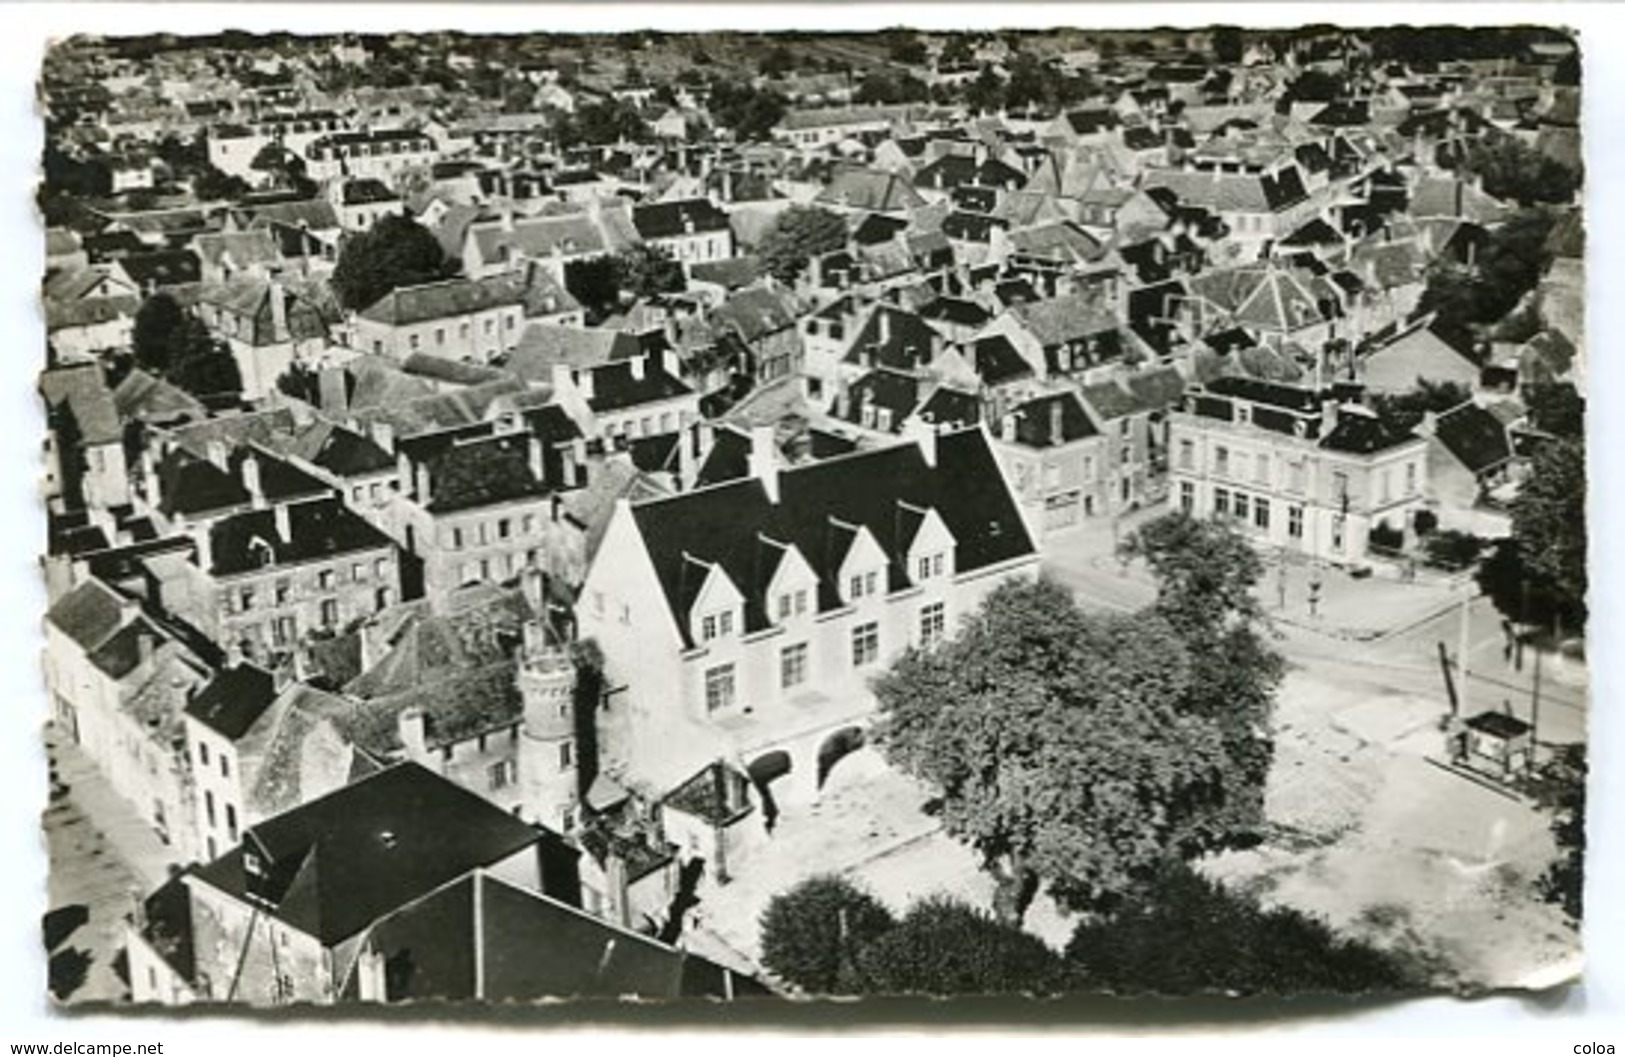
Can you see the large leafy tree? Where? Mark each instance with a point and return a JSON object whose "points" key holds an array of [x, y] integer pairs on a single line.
{"points": [[396, 251], [1561, 787], [1405, 411], [1511, 263], [598, 123], [1206, 575], [1548, 521], [813, 931], [1520, 173], [1069, 748], [748, 112], [796, 235], [174, 344], [1183, 934], [645, 270], [945, 947]]}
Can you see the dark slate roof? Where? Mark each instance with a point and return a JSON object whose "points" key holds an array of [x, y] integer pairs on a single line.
{"points": [[614, 386], [321, 529], [884, 388], [1474, 436], [234, 700], [337, 864], [482, 472], [997, 361], [876, 228], [727, 524], [957, 310], [120, 653], [446, 299], [1290, 397], [1361, 432], [1052, 420], [909, 341], [88, 613], [163, 267], [349, 454], [529, 946], [667, 219], [951, 407], [728, 459]]}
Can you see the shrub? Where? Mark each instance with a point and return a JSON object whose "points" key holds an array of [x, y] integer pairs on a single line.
{"points": [[809, 932]]}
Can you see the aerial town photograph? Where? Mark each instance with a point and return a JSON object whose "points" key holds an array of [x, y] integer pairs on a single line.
{"points": [[764, 516]]}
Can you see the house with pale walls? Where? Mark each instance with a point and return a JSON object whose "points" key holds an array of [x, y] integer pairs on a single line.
{"points": [[284, 916], [1076, 336], [259, 743], [1053, 453], [362, 202], [474, 319], [1258, 207], [494, 245], [267, 325], [1132, 411], [691, 230], [1295, 468], [117, 682], [482, 503], [380, 154], [1417, 351], [82, 330], [741, 621], [85, 462], [234, 146], [626, 399]]}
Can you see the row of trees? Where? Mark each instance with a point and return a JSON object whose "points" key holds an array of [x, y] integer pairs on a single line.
{"points": [[1179, 934]]}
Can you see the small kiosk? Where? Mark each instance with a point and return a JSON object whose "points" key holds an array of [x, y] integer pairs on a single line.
{"points": [[1495, 742]]}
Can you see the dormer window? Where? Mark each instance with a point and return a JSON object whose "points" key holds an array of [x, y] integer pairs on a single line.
{"points": [[792, 604], [863, 585], [717, 625], [929, 567]]}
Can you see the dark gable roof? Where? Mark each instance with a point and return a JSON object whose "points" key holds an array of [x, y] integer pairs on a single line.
{"points": [[1048, 421], [893, 391], [1360, 432], [447, 299], [120, 653], [661, 220], [321, 529], [615, 386], [1474, 436], [534, 947], [876, 228], [234, 700], [728, 524], [349, 454], [163, 267], [951, 407], [88, 613], [909, 341], [1289, 397], [482, 472], [337, 864], [997, 361]]}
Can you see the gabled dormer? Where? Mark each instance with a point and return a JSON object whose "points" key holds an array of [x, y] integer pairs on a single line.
{"points": [[862, 570], [717, 613], [926, 546], [791, 591]]}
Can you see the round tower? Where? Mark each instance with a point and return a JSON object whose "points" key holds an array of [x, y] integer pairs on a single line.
{"points": [[547, 745]]}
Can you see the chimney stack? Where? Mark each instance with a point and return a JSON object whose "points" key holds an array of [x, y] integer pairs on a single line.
{"points": [[638, 365], [420, 491], [284, 524], [216, 450], [1056, 432], [883, 318], [383, 435], [278, 298], [251, 479], [764, 460], [533, 450], [583, 382], [1007, 427]]}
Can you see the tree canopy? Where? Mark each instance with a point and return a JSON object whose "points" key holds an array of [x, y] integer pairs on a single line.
{"points": [[1183, 934], [609, 121], [396, 251], [811, 933], [1088, 751], [1467, 299], [796, 235], [1548, 521], [1404, 411], [748, 112], [1520, 173], [644, 271], [945, 947], [174, 344], [1561, 787]]}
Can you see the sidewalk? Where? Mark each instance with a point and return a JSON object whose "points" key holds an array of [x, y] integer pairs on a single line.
{"points": [[127, 832]]}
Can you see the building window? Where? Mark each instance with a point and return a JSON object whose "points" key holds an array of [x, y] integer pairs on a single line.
{"points": [[502, 774], [440, 335], [330, 612], [246, 598], [282, 591], [1294, 522], [1187, 497], [504, 528], [225, 766], [1261, 513], [716, 625], [930, 566], [1241, 507], [1410, 478], [324, 580], [865, 644], [1262, 469], [719, 687], [203, 753], [456, 539], [380, 568], [933, 624], [358, 572], [862, 584], [1221, 461], [1221, 502], [231, 823], [793, 665], [208, 806], [567, 755], [1337, 534]]}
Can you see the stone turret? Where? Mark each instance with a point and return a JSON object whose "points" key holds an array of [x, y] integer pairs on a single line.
{"points": [[547, 747]]}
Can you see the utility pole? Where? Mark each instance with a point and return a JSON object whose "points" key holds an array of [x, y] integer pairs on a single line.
{"points": [[1461, 652]]}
